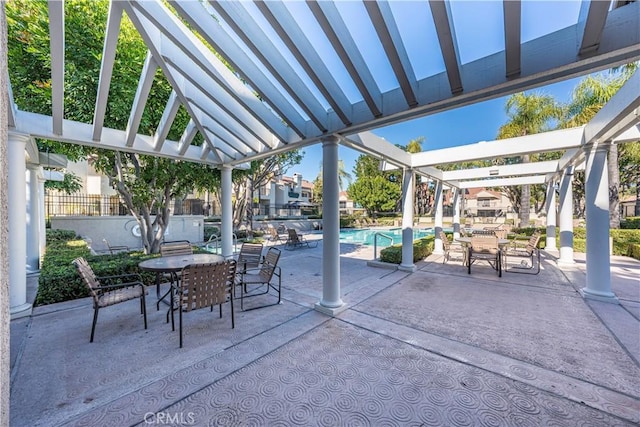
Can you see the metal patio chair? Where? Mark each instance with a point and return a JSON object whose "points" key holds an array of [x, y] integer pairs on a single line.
{"points": [[484, 247], [257, 281], [450, 247], [203, 285], [526, 251], [110, 290]]}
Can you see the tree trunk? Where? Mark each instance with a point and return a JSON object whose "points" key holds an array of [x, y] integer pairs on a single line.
{"points": [[525, 200], [614, 186], [637, 206]]}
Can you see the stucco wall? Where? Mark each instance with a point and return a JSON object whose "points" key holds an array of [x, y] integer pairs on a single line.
{"points": [[120, 230]]}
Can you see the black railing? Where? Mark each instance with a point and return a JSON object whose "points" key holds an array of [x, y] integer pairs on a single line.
{"points": [[98, 205]]}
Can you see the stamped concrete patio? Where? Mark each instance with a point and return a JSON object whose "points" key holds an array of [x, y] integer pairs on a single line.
{"points": [[436, 347]]}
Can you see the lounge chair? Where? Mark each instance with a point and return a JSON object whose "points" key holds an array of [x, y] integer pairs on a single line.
{"points": [[115, 249], [275, 236], [526, 251], [296, 240]]}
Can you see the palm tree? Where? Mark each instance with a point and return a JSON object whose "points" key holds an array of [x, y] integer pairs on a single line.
{"points": [[588, 97], [528, 114], [343, 175]]}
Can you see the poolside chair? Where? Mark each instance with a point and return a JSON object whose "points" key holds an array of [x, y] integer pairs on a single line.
{"points": [[110, 290], [484, 247], [526, 251], [257, 281], [115, 249], [296, 240], [275, 236], [203, 285], [449, 247]]}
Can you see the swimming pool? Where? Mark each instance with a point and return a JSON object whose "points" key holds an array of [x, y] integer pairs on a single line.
{"points": [[365, 236]]}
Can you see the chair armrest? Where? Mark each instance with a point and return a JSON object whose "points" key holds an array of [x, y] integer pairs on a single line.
{"points": [[127, 280], [118, 286]]}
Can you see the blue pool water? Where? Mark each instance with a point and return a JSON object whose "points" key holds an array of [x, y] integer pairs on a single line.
{"points": [[365, 236]]}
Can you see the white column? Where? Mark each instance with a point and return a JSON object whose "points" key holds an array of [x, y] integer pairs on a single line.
{"points": [[566, 218], [551, 217], [226, 225], [42, 221], [407, 221], [456, 212], [437, 201], [33, 219], [331, 302], [597, 204], [17, 225]]}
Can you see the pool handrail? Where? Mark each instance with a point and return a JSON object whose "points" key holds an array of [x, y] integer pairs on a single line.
{"points": [[375, 242]]}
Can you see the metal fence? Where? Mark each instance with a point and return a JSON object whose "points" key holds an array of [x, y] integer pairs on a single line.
{"points": [[99, 205]]}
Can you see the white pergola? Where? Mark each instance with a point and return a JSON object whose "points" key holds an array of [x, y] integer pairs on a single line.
{"points": [[319, 81]]}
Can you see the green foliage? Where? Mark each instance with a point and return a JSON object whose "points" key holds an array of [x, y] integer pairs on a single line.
{"points": [[634, 251], [59, 280], [375, 193], [71, 184], [422, 248], [631, 222], [60, 235]]}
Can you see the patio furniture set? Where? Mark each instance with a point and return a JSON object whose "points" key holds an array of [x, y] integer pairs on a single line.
{"points": [[195, 281], [492, 246]]}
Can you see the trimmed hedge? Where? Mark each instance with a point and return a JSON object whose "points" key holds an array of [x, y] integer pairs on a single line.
{"points": [[422, 248], [630, 222], [59, 280]]}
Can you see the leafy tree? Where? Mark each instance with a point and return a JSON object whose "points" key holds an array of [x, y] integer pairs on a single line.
{"points": [[146, 184], [260, 173], [588, 97], [70, 184], [528, 114], [375, 193]]}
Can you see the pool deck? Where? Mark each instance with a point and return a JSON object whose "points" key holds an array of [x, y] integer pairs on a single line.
{"points": [[434, 347]]}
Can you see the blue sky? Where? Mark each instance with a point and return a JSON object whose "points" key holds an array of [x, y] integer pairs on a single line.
{"points": [[467, 125], [479, 32]]}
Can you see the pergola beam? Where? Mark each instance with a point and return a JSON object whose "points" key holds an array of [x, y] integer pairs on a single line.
{"points": [[213, 33], [56, 45], [593, 26], [387, 31], [168, 116], [140, 99], [512, 10], [249, 31], [445, 29], [503, 182], [532, 168], [338, 34], [542, 142], [106, 66], [296, 41]]}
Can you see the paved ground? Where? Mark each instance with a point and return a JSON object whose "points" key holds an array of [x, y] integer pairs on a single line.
{"points": [[436, 347]]}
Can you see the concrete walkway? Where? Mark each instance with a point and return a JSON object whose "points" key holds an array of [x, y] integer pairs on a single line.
{"points": [[436, 347]]}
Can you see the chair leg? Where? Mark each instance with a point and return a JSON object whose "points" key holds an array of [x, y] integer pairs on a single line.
{"points": [[180, 319], [469, 261], [143, 303], [233, 322], [95, 320]]}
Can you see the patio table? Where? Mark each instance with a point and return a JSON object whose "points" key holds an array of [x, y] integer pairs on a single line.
{"points": [[173, 264]]}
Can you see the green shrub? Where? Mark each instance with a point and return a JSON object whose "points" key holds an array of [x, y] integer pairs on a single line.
{"points": [[422, 248], [59, 280], [634, 250], [60, 235], [630, 222]]}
